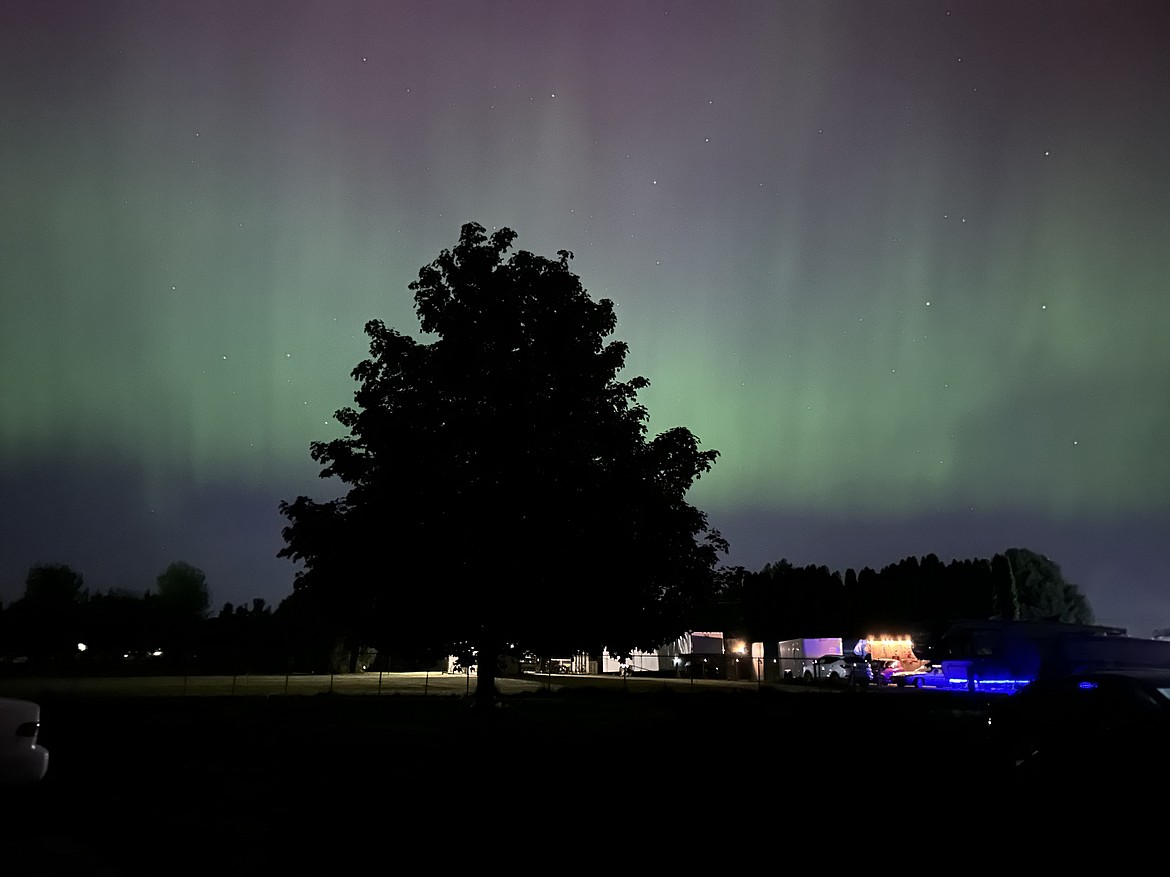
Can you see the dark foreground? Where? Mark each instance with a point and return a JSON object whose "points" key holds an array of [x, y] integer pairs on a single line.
{"points": [[235, 785]]}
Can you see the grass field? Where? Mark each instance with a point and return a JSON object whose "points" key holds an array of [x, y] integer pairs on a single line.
{"points": [[151, 775]]}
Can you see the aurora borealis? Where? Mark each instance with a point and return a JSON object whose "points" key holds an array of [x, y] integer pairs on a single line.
{"points": [[904, 264]]}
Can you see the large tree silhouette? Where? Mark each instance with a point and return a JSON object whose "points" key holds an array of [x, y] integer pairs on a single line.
{"points": [[180, 607], [183, 592], [46, 622], [502, 491], [1043, 593]]}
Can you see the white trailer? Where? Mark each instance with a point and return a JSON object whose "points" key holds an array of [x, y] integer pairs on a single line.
{"points": [[797, 657], [669, 656]]}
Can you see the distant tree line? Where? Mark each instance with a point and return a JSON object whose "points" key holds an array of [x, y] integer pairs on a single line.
{"points": [[171, 629], [59, 625], [782, 601]]}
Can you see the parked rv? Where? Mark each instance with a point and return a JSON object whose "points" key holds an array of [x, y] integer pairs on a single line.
{"points": [[1005, 656]]}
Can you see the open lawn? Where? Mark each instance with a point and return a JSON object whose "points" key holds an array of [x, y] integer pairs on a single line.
{"points": [[164, 776]]}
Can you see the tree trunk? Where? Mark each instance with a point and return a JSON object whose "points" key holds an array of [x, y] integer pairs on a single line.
{"points": [[485, 679]]}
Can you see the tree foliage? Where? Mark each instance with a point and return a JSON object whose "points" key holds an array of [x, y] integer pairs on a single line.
{"points": [[46, 621], [1043, 592], [781, 601], [1007, 599], [179, 607], [182, 591], [50, 587], [502, 490]]}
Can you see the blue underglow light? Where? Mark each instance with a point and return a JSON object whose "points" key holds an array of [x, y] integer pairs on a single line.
{"points": [[961, 683]]}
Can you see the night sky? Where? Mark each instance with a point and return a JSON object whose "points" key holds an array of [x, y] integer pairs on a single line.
{"points": [[904, 264]]}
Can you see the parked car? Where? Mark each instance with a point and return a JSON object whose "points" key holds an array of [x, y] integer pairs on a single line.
{"points": [[884, 669], [861, 670], [826, 667], [22, 758], [923, 676], [1092, 724], [845, 668]]}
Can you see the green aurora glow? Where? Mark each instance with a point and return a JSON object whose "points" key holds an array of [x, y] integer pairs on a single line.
{"points": [[893, 260]]}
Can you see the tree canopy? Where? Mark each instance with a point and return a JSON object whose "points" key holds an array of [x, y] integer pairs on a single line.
{"points": [[45, 621], [182, 590], [1043, 592], [52, 586], [781, 601], [502, 489]]}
